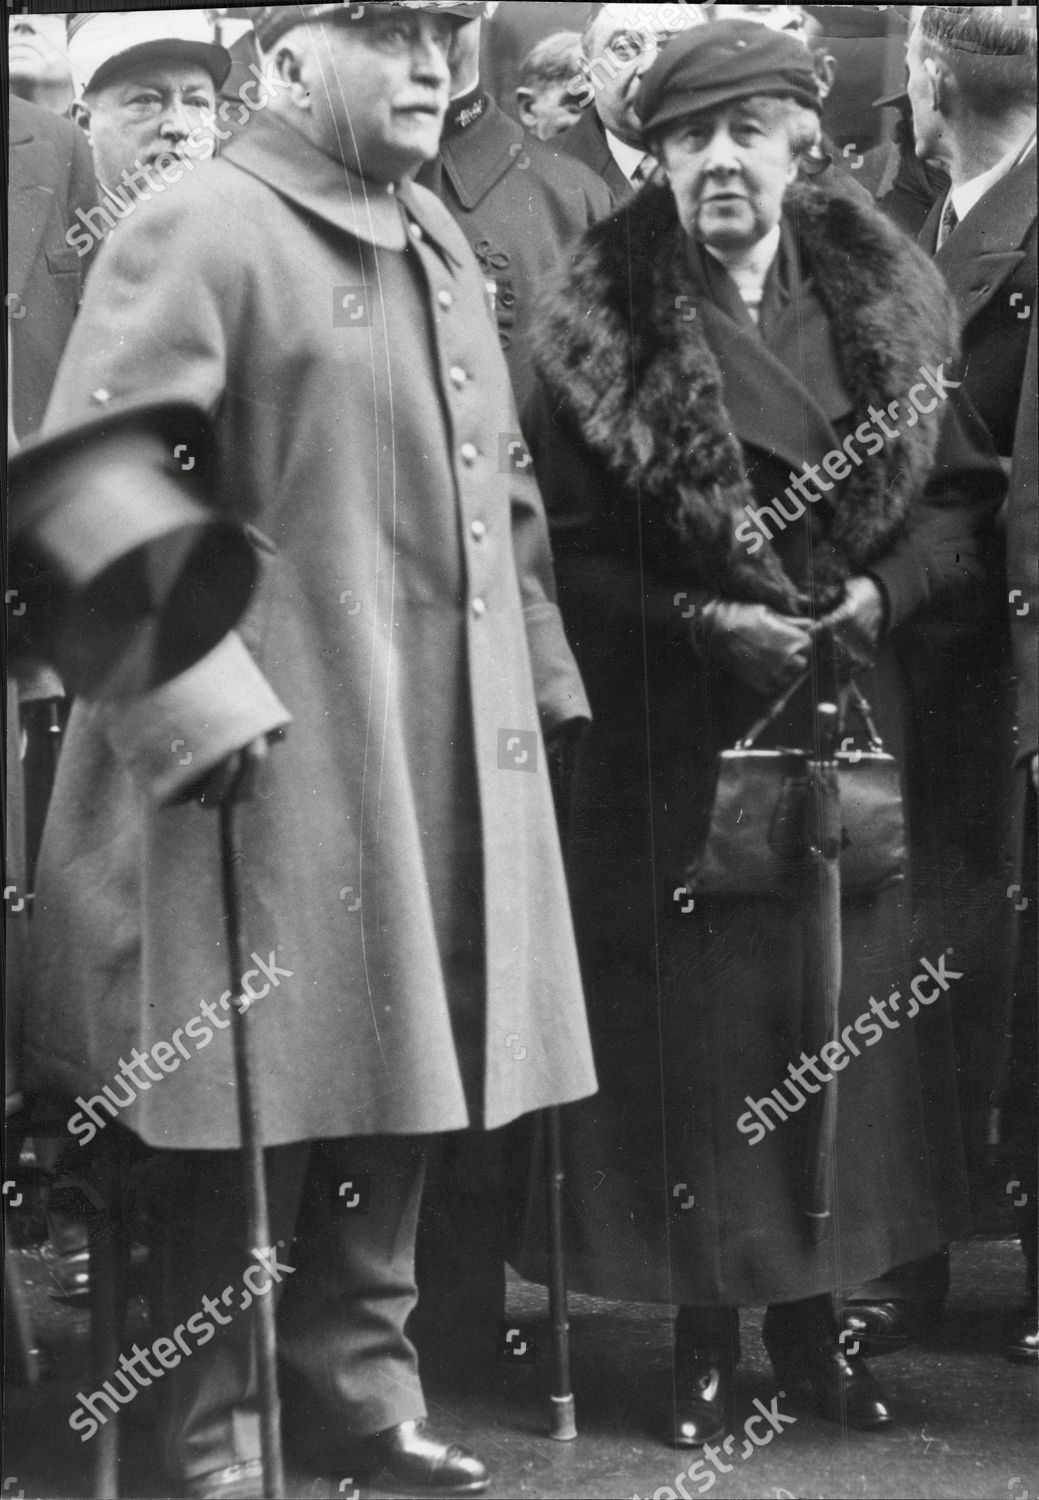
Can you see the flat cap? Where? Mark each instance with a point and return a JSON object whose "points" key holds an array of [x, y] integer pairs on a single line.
{"points": [[102, 43], [727, 60], [270, 22]]}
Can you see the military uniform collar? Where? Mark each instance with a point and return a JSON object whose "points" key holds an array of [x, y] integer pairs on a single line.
{"points": [[465, 111], [293, 167], [479, 156]]}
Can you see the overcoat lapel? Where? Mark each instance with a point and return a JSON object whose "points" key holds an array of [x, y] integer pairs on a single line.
{"points": [[770, 409], [983, 249]]}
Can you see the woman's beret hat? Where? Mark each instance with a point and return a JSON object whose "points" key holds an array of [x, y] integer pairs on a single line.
{"points": [[721, 62]]}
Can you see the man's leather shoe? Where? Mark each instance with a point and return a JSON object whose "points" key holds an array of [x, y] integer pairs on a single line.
{"points": [[236, 1482], [1023, 1346], [420, 1463], [874, 1328], [704, 1383], [845, 1392]]}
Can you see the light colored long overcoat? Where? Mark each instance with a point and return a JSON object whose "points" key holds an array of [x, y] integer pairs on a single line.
{"points": [[400, 859]]}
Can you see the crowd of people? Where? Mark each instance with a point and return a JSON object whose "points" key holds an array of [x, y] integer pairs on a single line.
{"points": [[585, 442]]}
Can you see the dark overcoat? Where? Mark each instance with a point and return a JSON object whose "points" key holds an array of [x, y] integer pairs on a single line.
{"points": [[663, 414], [400, 859], [960, 664], [51, 177], [522, 208]]}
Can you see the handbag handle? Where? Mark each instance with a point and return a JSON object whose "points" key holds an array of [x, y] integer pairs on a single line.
{"points": [[858, 698]]}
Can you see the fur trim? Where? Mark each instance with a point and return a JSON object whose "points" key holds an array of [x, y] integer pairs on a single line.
{"points": [[645, 390]]}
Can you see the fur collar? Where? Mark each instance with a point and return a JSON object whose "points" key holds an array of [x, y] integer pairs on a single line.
{"points": [[645, 392]]}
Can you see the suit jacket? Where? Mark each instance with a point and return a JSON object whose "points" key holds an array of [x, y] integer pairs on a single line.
{"points": [[587, 142], [989, 263], [520, 206], [51, 176]]}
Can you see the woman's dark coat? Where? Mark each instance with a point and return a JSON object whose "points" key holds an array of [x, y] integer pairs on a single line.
{"points": [[662, 414]]}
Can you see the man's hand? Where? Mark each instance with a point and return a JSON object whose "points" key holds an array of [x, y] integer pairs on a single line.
{"points": [[234, 779], [857, 621], [767, 649]]}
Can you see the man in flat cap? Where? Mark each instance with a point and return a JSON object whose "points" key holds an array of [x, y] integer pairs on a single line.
{"points": [[403, 890], [146, 90]]}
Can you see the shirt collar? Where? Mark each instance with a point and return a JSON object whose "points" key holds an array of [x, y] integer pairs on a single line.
{"points": [[749, 270], [628, 158], [290, 164], [970, 193]]}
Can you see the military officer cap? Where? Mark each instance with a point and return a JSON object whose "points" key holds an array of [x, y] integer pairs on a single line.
{"points": [[102, 43], [271, 22], [716, 64]]}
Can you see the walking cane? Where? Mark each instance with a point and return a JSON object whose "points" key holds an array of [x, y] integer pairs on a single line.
{"points": [[564, 1425], [258, 1237], [821, 928]]}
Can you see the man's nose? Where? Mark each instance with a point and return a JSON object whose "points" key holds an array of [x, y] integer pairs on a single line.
{"points": [[429, 61], [176, 121]]}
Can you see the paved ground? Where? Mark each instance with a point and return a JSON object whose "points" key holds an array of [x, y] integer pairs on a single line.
{"points": [[967, 1419]]}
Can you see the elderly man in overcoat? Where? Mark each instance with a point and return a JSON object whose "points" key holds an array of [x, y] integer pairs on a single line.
{"points": [[403, 892]]}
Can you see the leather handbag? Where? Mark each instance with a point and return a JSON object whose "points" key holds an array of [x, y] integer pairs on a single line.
{"points": [[755, 843]]}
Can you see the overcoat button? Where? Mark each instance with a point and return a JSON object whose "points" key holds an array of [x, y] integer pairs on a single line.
{"points": [[479, 530], [445, 300], [457, 376], [479, 608], [468, 454]]}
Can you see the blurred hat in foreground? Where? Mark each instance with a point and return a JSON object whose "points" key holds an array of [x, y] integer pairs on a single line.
{"points": [[125, 575]]}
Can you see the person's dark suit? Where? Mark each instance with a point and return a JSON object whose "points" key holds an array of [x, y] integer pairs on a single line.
{"points": [[1019, 1093], [989, 262], [51, 176], [587, 142], [961, 668]]}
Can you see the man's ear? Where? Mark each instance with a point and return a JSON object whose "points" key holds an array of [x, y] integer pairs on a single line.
{"points": [[287, 65], [825, 72], [80, 113], [525, 110], [938, 83]]}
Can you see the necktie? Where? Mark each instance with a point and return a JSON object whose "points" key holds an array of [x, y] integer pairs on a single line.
{"points": [[643, 172], [648, 170], [950, 218]]}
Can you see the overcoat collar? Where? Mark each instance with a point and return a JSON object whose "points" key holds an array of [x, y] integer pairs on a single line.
{"points": [[985, 247], [477, 158], [298, 171], [646, 391]]}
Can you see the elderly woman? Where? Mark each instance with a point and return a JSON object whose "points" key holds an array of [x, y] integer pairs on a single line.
{"points": [[716, 342]]}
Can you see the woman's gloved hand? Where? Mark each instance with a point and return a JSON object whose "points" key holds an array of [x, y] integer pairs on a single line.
{"points": [[768, 650], [857, 622]]}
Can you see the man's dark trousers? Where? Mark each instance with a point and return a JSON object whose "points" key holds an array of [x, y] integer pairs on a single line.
{"points": [[341, 1309]]}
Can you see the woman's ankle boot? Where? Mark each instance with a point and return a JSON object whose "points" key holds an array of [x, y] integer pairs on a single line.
{"points": [[707, 1350], [802, 1343]]}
